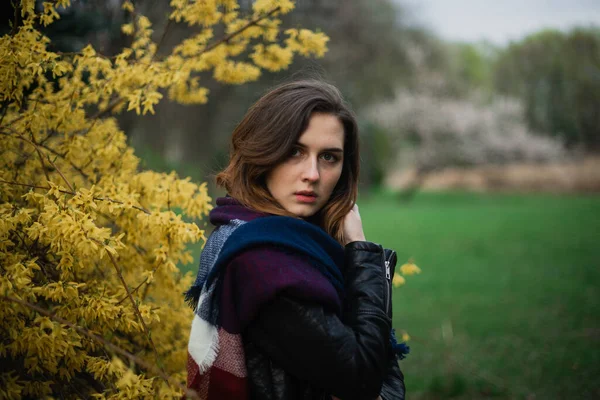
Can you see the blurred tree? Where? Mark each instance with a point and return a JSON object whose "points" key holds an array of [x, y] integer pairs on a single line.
{"points": [[430, 132], [558, 77], [469, 68], [369, 53]]}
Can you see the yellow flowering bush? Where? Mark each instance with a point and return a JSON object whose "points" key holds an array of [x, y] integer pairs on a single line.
{"points": [[91, 297]]}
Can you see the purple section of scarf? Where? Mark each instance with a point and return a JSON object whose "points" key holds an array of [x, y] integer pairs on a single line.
{"points": [[257, 276], [229, 208]]}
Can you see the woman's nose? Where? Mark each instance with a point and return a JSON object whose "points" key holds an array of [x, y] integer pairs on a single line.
{"points": [[311, 170]]}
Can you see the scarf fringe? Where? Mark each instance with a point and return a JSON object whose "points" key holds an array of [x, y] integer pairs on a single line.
{"points": [[207, 335], [211, 357], [192, 296]]}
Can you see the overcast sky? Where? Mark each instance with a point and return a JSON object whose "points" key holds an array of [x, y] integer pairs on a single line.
{"points": [[500, 21]]}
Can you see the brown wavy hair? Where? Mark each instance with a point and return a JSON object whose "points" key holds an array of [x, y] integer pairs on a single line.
{"points": [[266, 136]]}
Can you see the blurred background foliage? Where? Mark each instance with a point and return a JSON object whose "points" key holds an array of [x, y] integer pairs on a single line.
{"points": [[508, 304], [425, 104], [557, 76]]}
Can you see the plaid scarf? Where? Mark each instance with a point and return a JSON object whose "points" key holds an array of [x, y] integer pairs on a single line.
{"points": [[246, 262]]}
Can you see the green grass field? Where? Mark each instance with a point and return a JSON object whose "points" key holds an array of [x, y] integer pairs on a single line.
{"points": [[507, 305]]}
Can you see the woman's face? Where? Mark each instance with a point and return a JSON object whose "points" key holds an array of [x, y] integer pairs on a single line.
{"points": [[303, 183]]}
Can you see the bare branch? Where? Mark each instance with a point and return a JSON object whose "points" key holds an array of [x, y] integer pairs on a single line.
{"points": [[162, 37], [17, 19]]}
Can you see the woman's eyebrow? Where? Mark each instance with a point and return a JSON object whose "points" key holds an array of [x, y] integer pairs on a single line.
{"points": [[330, 149]]}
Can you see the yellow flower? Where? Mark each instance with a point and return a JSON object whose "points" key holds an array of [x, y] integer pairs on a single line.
{"points": [[398, 280], [410, 268], [307, 42], [127, 6], [127, 29], [273, 57], [264, 6]]}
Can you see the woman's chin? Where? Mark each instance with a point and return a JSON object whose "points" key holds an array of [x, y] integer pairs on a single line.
{"points": [[303, 210]]}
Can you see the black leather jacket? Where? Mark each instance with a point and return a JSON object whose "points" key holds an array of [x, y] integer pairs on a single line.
{"points": [[297, 350]]}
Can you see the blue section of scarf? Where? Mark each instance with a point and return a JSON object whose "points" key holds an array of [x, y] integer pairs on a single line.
{"points": [[288, 233], [283, 232]]}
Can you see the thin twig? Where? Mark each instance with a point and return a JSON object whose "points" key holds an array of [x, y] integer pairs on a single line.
{"points": [[20, 117], [242, 29], [140, 285], [162, 38], [135, 307], [37, 149], [64, 157], [17, 19], [39, 153], [106, 144], [5, 105], [48, 136], [120, 202], [55, 131], [112, 105], [60, 173], [73, 194], [32, 142], [78, 53], [51, 150], [189, 392]]}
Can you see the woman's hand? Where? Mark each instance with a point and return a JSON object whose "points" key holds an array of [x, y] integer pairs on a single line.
{"points": [[353, 230]]}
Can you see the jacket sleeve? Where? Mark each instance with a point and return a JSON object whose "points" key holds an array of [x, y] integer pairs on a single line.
{"points": [[348, 359], [393, 385]]}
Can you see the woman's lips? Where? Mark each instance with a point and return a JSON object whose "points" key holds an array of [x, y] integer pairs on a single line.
{"points": [[305, 198]]}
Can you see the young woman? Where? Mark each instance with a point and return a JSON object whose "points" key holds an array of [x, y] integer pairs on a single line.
{"points": [[291, 301]]}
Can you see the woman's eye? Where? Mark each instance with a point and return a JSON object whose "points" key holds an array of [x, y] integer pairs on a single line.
{"points": [[329, 157], [295, 152]]}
